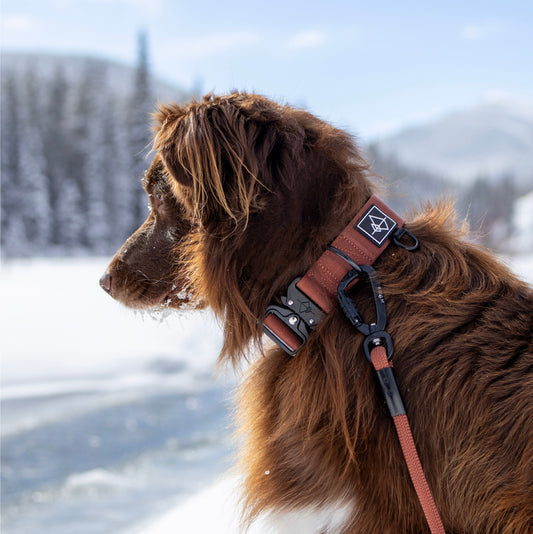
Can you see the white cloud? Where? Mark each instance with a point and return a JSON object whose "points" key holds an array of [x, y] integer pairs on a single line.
{"points": [[477, 32], [15, 22], [214, 44], [147, 7], [307, 39]]}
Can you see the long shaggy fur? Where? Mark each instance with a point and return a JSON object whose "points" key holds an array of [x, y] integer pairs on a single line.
{"points": [[253, 193]]}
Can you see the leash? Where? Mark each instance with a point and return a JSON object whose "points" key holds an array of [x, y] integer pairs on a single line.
{"points": [[378, 348], [309, 298]]}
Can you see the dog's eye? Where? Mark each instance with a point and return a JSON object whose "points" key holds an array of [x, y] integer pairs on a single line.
{"points": [[158, 199]]}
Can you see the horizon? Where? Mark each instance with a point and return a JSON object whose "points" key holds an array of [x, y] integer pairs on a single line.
{"points": [[371, 69]]}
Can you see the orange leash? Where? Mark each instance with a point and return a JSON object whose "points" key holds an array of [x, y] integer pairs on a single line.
{"points": [[378, 348], [380, 362]]}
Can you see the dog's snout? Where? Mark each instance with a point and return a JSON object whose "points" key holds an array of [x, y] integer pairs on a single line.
{"points": [[105, 282]]}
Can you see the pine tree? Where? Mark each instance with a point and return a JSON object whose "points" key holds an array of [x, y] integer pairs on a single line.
{"points": [[32, 168], [119, 186], [97, 229], [73, 151], [56, 147], [82, 168], [12, 197], [140, 108]]}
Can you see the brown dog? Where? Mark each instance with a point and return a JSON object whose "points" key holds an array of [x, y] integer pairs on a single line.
{"points": [[246, 195]]}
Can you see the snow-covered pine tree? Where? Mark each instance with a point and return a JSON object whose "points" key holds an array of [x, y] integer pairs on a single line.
{"points": [[140, 107], [97, 228], [85, 152], [56, 146], [73, 206], [35, 208], [12, 232], [119, 185]]}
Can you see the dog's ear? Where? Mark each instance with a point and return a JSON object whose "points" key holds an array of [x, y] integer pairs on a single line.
{"points": [[213, 149], [166, 123]]}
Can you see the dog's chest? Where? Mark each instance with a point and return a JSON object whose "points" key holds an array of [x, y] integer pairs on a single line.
{"points": [[325, 520]]}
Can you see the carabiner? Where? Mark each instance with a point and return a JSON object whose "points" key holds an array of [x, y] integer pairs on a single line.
{"points": [[374, 333]]}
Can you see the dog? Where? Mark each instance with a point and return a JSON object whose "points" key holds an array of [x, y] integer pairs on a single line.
{"points": [[246, 194]]}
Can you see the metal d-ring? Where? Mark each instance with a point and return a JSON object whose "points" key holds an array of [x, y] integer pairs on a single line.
{"points": [[399, 233]]}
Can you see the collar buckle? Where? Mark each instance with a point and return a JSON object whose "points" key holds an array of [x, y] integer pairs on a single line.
{"points": [[298, 313]]}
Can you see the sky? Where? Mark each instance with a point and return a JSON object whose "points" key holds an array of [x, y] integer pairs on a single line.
{"points": [[370, 67]]}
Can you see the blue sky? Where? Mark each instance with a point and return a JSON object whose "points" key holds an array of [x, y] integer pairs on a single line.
{"points": [[370, 67]]}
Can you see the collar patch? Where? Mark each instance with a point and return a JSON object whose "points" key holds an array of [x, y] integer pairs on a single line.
{"points": [[376, 226]]}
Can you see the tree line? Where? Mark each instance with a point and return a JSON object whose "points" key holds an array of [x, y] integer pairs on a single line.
{"points": [[73, 152]]}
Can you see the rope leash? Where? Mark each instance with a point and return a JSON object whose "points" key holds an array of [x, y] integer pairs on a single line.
{"points": [[379, 349], [380, 361]]}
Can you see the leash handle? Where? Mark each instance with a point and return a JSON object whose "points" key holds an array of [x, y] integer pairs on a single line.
{"points": [[380, 361]]}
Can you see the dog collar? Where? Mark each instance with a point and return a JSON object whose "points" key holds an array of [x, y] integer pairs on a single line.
{"points": [[314, 294]]}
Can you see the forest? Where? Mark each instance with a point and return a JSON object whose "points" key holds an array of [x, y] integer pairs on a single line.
{"points": [[75, 143]]}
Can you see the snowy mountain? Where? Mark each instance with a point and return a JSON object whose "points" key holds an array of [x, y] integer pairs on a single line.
{"points": [[491, 139], [118, 76]]}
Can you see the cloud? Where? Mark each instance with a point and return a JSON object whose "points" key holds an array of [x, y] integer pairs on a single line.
{"points": [[18, 22], [477, 32], [214, 44], [148, 7], [307, 39]]}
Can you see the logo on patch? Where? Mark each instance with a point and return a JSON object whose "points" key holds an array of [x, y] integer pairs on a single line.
{"points": [[376, 226]]}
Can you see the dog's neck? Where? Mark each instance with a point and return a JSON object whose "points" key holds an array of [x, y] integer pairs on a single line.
{"points": [[310, 297]]}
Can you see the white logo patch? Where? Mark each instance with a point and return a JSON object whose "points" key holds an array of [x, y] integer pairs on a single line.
{"points": [[376, 226]]}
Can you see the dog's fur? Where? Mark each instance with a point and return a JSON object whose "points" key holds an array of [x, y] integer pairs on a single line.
{"points": [[246, 194]]}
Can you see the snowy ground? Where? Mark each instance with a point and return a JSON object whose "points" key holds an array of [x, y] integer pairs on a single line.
{"points": [[112, 422], [108, 417]]}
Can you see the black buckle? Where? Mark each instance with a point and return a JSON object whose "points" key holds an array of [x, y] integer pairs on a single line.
{"points": [[374, 332], [299, 313]]}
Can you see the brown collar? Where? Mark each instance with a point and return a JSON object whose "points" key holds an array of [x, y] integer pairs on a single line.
{"points": [[310, 297]]}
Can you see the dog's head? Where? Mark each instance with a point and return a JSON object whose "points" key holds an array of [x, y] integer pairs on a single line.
{"points": [[244, 194]]}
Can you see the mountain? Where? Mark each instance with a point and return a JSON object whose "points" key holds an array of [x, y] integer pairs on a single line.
{"points": [[489, 140], [118, 76]]}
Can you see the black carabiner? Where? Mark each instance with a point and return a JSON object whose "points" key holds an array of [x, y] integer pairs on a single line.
{"points": [[374, 333]]}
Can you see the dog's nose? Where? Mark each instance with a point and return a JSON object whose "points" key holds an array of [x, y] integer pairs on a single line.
{"points": [[105, 282]]}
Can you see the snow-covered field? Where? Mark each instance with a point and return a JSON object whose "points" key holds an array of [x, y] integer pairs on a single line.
{"points": [[112, 422], [108, 417]]}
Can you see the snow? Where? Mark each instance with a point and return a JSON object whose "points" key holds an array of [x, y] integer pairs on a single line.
{"points": [[60, 330], [221, 502], [217, 501]]}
